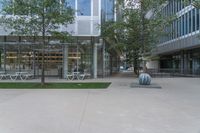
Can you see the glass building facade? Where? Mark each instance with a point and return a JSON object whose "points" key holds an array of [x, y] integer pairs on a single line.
{"points": [[187, 20], [87, 53], [179, 49], [84, 7]]}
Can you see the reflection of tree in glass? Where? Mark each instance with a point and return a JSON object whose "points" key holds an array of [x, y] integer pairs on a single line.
{"points": [[84, 7]]}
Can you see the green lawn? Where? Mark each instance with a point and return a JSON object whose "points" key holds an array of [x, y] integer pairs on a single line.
{"points": [[92, 85]]}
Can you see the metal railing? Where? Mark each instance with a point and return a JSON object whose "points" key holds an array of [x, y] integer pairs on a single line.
{"points": [[174, 72]]}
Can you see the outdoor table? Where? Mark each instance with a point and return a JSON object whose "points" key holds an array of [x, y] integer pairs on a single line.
{"points": [[18, 75], [76, 75]]}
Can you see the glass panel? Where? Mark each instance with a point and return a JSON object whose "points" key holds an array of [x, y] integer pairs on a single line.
{"points": [[84, 7], [183, 25], [108, 8], [197, 14], [186, 24], [2, 57], [193, 19], [4, 3], [80, 58], [175, 28], [183, 4], [179, 27], [53, 58], [70, 3], [1, 5], [19, 58], [190, 22]]}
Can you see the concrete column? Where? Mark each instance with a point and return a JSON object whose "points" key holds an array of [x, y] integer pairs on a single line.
{"points": [[186, 63], [95, 60], [5, 52], [33, 65], [103, 67], [182, 62], [65, 61]]}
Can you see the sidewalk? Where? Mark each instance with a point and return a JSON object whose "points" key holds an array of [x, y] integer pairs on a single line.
{"points": [[119, 109]]}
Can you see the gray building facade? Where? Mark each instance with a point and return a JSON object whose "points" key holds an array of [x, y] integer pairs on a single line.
{"points": [[179, 51]]}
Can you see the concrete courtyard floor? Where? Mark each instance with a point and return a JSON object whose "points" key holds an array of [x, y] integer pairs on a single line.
{"points": [[119, 109]]}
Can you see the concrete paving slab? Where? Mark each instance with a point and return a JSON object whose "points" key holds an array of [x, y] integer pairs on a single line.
{"points": [[118, 109], [151, 86]]}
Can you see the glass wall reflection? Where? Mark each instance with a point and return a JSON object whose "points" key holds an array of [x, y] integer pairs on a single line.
{"points": [[84, 7]]}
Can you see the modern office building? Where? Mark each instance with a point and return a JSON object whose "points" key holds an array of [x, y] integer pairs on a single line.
{"points": [[88, 53], [180, 50]]}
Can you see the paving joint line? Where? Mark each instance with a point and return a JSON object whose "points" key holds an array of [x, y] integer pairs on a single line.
{"points": [[83, 112]]}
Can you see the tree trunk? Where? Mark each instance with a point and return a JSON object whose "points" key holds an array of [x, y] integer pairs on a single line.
{"points": [[142, 33], [136, 68], [43, 64], [43, 47]]}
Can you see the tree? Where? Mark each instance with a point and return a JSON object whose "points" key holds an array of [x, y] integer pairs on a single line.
{"points": [[139, 30], [37, 18], [196, 4]]}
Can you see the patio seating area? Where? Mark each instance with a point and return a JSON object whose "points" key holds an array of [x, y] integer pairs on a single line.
{"points": [[16, 76], [77, 76]]}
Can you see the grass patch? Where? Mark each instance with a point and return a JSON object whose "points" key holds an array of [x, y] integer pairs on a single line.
{"points": [[101, 85]]}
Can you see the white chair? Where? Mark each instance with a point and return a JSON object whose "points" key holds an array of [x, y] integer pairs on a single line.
{"points": [[69, 76], [28, 76], [88, 75], [15, 76], [82, 76], [3, 76]]}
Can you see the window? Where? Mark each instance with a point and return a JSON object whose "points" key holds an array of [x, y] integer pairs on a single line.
{"points": [[110, 9], [197, 20], [84, 7], [179, 27], [176, 6], [193, 20], [183, 4], [1, 5], [180, 5], [176, 28], [70, 3], [172, 30], [190, 22], [183, 26], [186, 23], [5, 3], [172, 7]]}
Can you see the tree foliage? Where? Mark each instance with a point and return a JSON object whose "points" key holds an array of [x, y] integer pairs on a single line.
{"points": [[33, 17], [196, 3], [138, 30], [37, 18]]}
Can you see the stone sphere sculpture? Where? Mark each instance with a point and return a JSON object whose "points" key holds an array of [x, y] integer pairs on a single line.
{"points": [[144, 79]]}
